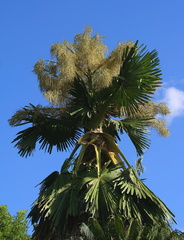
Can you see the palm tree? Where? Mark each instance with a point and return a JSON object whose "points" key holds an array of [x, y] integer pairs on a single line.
{"points": [[95, 102]]}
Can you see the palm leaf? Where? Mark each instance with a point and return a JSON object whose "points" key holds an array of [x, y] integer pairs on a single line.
{"points": [[138, 201], [133, 231], [67, 200], [50, 207], [135, 128], [137, 81], [96, 229], [139, 74], [138, 133], [83, 102], [48, 129]]}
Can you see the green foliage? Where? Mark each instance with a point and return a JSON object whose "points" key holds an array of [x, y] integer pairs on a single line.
{"points": [[118, 229], [100, 89], [95, 99], [99, 185], [49, 127], [13, 227]]}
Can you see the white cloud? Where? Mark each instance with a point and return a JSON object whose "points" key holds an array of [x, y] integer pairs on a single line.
{"points": [[175, 101]]}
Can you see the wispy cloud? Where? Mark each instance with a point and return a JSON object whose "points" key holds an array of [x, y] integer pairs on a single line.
{"points": [[175, 100]]}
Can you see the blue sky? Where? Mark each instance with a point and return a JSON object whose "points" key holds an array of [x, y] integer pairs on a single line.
{"points": [[28, 30]]}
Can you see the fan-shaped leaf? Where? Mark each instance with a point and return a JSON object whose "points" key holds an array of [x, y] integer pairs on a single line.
{"points": [[49, 128]]}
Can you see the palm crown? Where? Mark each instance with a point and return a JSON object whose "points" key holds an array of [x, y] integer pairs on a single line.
{"points": [[90, 91], [95, 99]]}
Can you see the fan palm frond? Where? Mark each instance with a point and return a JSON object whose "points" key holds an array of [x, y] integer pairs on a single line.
{"points": [[135, 128], [54, 194], [101, 198], [138, 79], [67, 200], [48, 129], [83, 101], [139, 202]]}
